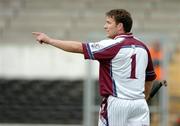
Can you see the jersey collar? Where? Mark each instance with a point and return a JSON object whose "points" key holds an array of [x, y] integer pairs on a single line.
{"points": [[124, 35]]}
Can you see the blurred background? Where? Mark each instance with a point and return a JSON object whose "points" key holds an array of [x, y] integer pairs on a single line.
{"points": [[42, 85]]}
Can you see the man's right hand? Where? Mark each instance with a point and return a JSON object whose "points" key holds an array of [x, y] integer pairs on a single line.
{"points": [[41, 37]]}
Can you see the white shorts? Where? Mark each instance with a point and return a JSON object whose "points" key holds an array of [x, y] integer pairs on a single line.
{"points": [[120, 112]]}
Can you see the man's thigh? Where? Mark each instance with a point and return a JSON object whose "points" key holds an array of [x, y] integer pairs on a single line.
{"points": [[139, 116]]}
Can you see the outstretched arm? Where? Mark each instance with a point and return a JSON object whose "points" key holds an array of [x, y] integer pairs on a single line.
{"points": [[69, 46]]}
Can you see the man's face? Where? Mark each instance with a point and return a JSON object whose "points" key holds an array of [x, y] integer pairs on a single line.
{"points": [[111, 27]]}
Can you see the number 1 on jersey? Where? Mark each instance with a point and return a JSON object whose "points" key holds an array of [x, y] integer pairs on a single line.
{"points": [[133, 67]]}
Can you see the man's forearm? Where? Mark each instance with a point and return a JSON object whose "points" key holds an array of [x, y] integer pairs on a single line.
{"points": [[148, 87], [69, 46]]}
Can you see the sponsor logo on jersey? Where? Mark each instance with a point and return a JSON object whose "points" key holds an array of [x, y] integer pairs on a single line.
{"points": [[95, 46]]}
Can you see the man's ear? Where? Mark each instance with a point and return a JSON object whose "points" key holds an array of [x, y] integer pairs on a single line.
{"points": [[120, 26]]}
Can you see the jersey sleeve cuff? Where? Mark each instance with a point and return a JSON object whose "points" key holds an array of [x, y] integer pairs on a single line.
{"points": [[150, 77], [86, 51]]}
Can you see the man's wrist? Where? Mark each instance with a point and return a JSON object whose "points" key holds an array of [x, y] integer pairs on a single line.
{"points": [[50, 41]]}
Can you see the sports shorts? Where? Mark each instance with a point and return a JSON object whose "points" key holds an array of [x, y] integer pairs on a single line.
{"points": [[122, 112]]}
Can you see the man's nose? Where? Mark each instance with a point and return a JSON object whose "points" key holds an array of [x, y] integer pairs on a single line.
{"points": [[105, 27]]}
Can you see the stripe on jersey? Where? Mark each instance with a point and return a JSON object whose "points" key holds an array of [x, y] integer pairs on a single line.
{"points": [[131, 46], [150, 72], [89, 51], [113, 82], [105, 48], [107, 122]]}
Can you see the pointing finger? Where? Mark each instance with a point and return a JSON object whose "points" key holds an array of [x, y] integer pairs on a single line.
{"points": [[36, 33]]}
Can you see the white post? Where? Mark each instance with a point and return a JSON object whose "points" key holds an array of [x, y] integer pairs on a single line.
{"points": [[164, 96], [88, 98]]}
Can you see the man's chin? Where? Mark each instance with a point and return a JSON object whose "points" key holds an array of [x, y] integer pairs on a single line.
{"points": [[108, 36]]}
